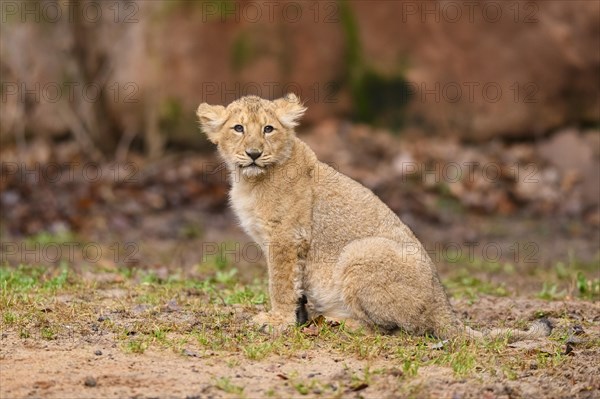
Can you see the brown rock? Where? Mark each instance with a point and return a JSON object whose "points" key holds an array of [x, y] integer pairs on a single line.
{"points": [[568, 151], [573, 156], [89, 382]]}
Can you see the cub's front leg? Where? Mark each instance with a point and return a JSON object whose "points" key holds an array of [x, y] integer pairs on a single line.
{"points": [[284, 267]]}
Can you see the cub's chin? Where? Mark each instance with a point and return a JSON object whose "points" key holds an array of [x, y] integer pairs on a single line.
{"points": [[253, 171]]}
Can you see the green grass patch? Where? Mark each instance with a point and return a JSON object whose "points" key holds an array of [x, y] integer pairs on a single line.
{"points": [[225, 385], [464, 284], [25, 278]]}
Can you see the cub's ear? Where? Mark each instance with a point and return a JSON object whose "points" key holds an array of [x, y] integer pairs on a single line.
{"points": [[289, 110], [211, 118]]}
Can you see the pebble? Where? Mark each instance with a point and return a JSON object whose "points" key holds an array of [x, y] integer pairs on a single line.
{"points": [[89, 382]]}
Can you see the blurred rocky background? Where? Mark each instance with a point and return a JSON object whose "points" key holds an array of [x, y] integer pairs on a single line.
{"points": [[475, 121]]}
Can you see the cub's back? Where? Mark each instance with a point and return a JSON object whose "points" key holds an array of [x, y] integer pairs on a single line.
{"points": [[344, 210]]}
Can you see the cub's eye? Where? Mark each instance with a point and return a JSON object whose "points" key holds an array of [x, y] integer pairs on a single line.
{"points": [[239, 128], [268, 129]]}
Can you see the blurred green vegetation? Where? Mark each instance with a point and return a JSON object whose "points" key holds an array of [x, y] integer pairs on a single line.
{"points": [[376, 98]]}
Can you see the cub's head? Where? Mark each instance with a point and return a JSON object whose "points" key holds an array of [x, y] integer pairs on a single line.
{"points": [[252, 134]]}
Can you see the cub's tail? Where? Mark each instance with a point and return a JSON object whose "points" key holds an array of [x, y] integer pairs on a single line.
{"points": [[538, 329]]}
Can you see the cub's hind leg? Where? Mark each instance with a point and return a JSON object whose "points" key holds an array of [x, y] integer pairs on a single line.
{"points": [[388, 286]]}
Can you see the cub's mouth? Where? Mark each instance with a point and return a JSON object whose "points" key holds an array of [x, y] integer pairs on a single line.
{"points": [[252, 169], [252, 165]]}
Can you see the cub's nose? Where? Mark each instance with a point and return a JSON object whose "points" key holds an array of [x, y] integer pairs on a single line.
{"points": [[254, 153]]}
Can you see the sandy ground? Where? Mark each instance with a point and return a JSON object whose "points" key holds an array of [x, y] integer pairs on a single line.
{"points": [[92, 366]]}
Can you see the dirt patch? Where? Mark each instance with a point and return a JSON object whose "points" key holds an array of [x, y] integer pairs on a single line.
{"points": [[113, 347]]}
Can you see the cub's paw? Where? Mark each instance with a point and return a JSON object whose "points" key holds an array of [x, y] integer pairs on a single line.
{"points": [[273, 322]]}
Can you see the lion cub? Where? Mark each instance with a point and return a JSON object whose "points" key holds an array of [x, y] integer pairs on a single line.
{"points": [[325, 236]]}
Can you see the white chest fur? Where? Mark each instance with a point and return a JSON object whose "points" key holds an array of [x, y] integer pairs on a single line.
{"points": [[244, 201]]}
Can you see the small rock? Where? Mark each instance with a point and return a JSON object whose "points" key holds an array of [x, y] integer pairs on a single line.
{"points": [[171, 306], [577, 336], [568, 349], [577, 329], [359, 387], [89, 382], [139, 309], [439, 345], [396, 372], [43, 384], [533, 366], [190, 353], [574, 340], [98, 353]]}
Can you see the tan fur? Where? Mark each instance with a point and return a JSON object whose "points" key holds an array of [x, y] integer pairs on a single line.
{"points": [[324, 234]]}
